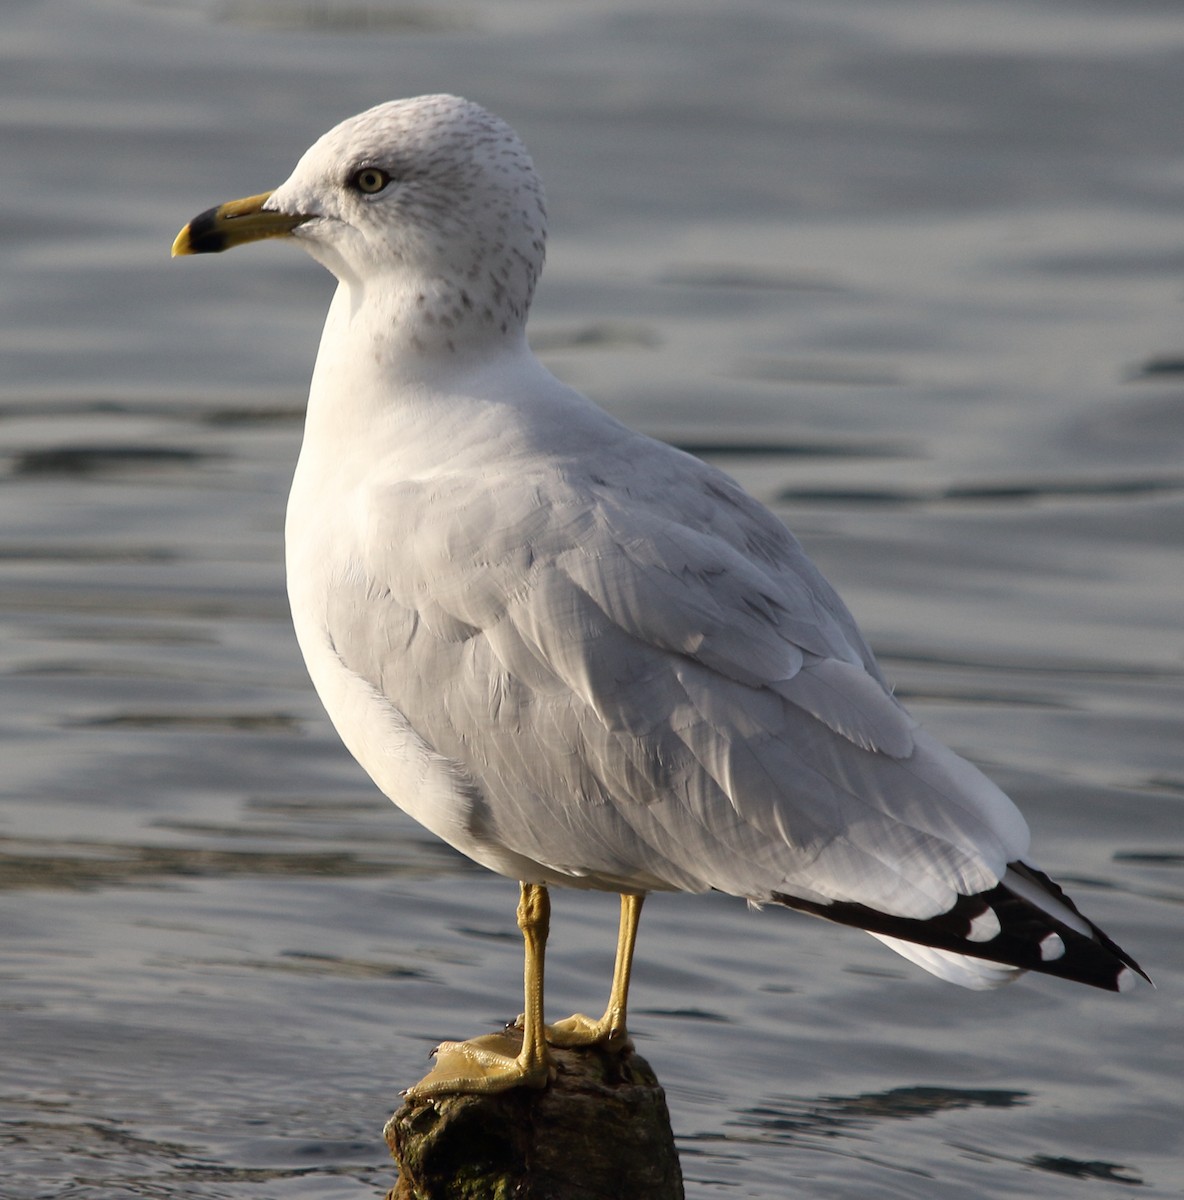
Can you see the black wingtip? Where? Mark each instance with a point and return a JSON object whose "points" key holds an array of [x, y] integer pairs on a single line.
{"points": [[1117, 970], [1028, 937]]}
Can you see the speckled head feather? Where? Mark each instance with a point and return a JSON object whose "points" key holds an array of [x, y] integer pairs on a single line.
{"points": [[432, 203]]}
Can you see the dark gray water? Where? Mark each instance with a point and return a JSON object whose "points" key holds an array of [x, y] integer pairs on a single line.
{"points": [[912, 271]]}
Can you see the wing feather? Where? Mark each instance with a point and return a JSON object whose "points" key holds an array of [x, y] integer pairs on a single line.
{"points": [[650, 684]]}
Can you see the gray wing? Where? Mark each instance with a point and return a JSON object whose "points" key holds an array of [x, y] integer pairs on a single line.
{"points": [[650, 685]]}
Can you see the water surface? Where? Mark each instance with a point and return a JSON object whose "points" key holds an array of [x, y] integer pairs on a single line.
{"points": [[911, 271]]}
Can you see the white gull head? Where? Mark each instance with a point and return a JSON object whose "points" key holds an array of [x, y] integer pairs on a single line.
{"points": [[429, 211]]}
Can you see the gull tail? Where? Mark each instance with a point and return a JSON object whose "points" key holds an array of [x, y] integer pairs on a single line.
{"points": [[1024, 923]]}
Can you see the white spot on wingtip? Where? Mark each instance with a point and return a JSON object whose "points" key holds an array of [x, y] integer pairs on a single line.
{"points": [[1051, 947], [1127, 979], [984, 927]]}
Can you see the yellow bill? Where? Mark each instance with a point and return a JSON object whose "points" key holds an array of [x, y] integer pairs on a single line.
{"points": [[233, 224]]}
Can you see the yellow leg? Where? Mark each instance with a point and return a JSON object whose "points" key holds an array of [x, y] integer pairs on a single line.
{"points": [[493, 1063], [610, 1030]]}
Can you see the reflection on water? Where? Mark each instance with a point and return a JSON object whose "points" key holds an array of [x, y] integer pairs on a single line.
{"points": [[837, 1116], [920, 292], [993, 493], [106, 864], [90, 460], [1110, 1172], [1071, 1167]]}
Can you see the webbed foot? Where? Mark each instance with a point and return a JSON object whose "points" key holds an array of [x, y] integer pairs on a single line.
{"points": [[579, 1030], [482, 1065]]}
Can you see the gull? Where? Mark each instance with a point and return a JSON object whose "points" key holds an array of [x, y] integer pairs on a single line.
{"points": [[576, 654]]}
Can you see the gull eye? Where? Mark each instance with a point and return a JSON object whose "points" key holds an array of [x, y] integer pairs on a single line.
{"points": [[370, 180]]}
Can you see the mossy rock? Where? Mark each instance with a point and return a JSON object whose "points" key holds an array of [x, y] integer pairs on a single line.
{"points": [[599, 1131]]}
